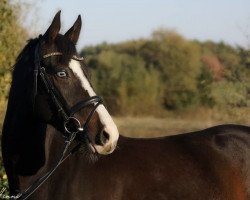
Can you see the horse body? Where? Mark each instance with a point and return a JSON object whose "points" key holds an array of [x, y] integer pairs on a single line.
{"points": [[212, 164], [209, 164]]}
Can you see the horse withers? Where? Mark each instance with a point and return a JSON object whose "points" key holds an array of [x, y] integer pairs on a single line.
{"points": [[52, 103]]}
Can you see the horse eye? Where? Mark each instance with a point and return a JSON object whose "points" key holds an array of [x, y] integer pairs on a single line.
{"points": [[61, 74]]}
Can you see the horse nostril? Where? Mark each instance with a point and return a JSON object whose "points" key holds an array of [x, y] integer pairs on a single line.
{"points": [[102, 138], [105, 135]]}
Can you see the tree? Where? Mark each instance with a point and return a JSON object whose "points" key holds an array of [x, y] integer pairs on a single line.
{"points": [[12, 38], [12, 34], [179, 64]]}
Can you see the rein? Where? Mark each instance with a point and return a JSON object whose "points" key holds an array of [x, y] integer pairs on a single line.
{"points": [[67, 116]]}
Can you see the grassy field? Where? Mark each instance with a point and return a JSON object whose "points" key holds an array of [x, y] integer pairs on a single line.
{"points": [[176, 123]]}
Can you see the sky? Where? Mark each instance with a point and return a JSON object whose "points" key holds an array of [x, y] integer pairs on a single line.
{"points": [[119, 20]]}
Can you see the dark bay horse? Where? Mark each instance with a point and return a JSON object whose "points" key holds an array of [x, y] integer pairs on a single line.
{"points": [[51, 99]]}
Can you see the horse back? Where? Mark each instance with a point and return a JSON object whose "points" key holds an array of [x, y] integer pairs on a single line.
{"points": [[210, 164]]}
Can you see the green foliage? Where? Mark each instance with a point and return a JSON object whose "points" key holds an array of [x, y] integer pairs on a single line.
{"points": [[205, 81], [3, 180], [12, 39], [169, 72], [12, 35], [126, 84], [179, 63], [232, 94]]}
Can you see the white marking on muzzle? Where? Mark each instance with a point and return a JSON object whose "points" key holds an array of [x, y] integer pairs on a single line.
{"points": [[104, 116]]}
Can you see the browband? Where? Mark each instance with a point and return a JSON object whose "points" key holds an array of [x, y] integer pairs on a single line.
{"points": [[59, 54], [52, 54]]}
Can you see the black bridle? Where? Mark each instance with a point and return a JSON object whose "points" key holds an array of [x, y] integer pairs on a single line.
{"points": [[63, 110], [72, 126]]}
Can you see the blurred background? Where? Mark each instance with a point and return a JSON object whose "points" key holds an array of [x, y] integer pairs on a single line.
{"points": [[163, 66]]}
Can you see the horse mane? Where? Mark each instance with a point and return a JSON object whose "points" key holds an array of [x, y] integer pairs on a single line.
{"points": [[29, 45], [30, 146]]}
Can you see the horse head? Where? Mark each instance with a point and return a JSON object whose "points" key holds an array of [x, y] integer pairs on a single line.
{"points": [[63, 94]]}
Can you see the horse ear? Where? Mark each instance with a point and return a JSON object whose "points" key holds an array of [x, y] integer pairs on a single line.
{"points": [[74, 32], [54, 28]]}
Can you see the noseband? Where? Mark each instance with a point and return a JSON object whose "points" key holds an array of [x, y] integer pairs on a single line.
{"points": [[72, 125]]}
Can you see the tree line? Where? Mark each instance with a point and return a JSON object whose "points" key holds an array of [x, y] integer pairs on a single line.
{"points": [[169, 72]]}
